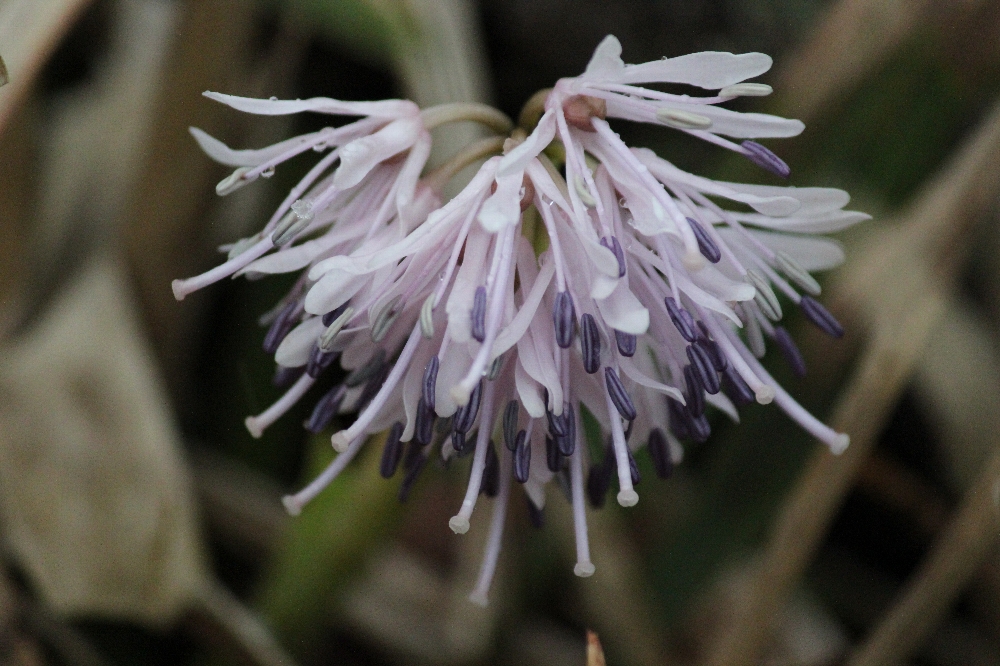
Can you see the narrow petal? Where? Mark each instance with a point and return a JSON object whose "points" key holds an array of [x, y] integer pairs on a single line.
{"points": [[709, 69], [389, 108]]}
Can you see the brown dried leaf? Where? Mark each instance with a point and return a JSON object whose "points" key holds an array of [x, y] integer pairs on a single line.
{"points": [[94, 497]]}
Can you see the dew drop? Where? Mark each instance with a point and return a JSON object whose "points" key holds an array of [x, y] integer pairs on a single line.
{"points": [[267, 173]]}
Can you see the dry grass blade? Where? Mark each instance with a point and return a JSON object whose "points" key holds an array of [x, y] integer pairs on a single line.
{"points": [[958, 552], [595, 653], [4, 77], [912, 264]]}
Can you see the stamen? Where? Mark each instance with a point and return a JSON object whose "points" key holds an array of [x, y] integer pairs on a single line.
{"points": [[584, 567], [494, 540], [280, 327], [765, 159], [424, 429], [564, 318], [429, 385], [510, 433], [633, 469], [319, 361], [335, 313], [465, 417], [385, 319], [790, 351], [294, 503], [557, 424], [283, 376], [411, 477], [325, 409], [682, 319], [711, 347], [694, 395], [708, 248], [233, 182], [683, 120], [626, 494], [590, 341], [479, 314], [293, 223], [584, 194], [619, 396], [746, 90], [459, 523], [736, 388], [626, 343], [567, 443], [522, 457], [659, 452], [326, 341], [701, 364], [256, 424], [616, 247], [764, 297], [392, 452], [797, 274], [427, 318], [820, 316]]}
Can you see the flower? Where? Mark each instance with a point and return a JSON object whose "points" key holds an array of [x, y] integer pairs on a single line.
{"points": [[616, 292]]}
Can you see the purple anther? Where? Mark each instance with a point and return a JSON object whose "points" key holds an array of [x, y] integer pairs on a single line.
{"points": [[429, 386], [557, 424], [820, 316], [319, 361], [325, 409], [616, 247], [633, 468], [626, 343], [619, 396], [424, 427], [552, 457], [466, 414], [280, 327], [479, 314], [334, 314], [413, 453], [535, 515], [458, 443], [491, 472], [715, 353], [522, 457], [567, 443], [765, 159], [734, 386], [392, 452], [372, 387], [628, 431], [695, 393], [682, 319], [510, 433], [790, 351], [411, 477], [700, 429], [590, 341], [284, 376], [680, 419], [659, 453], [701, 363], [708, 248], [564, 318]]}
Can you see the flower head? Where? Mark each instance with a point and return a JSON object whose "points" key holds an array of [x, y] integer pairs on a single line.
{"points": [[617, 287]]}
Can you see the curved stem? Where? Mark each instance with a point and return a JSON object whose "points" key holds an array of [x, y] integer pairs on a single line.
{"points": [[533, 109], [483, 114], [437, 178]]}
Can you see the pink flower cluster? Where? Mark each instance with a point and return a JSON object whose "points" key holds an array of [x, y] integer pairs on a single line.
{"points": [[614, 285]]}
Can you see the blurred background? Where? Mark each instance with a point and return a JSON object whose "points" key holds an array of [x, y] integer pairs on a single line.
{"points": [[141, 524]]}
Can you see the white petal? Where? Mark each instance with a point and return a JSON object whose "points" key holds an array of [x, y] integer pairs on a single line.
{"points": [[623, 311], [362, 155], [453, 367], [509, 336], [813, 200], [632, 372], [708, 69], [459, 305], [529, 392], [390, 108], [723, 404], [409, 175], [503, 208], [606, 64], [293, 352], [812, 253], [518, 158], [819, 224], [333, 290]]}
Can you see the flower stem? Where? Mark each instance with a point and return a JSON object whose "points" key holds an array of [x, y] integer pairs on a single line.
{"points": [[532, 110], [437, 178], [483, 114]]}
